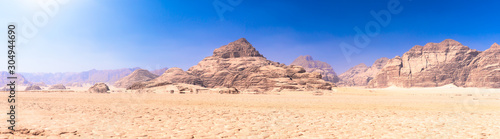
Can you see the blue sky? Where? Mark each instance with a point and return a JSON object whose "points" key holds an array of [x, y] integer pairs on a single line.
{"points": [[111, 34]]}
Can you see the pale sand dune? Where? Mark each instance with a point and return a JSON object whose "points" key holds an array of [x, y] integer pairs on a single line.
{"points": [[345, 113]]}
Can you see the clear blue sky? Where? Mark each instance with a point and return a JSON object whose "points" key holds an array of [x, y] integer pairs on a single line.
{"points": [[111, 34]]}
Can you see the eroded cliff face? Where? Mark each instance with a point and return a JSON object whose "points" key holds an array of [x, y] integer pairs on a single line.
{"points": [[438, 64], [485, 69]]}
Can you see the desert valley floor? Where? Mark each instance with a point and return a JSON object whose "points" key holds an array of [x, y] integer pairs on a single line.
{"points": [[342, 113]]}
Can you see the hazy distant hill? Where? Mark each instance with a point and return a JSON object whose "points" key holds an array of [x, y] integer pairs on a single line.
{"points": [[321, 67], [159, 71], [91, 76], [20, 79]]}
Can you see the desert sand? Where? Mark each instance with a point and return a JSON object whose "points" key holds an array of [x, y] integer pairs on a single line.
{"points": [[445, 112]]}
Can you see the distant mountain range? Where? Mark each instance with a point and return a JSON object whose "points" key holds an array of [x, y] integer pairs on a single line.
{"points": [[86, 77], [239, 64]]}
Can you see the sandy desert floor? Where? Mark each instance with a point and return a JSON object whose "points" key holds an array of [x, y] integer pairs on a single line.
{"points": [[344, 113]]}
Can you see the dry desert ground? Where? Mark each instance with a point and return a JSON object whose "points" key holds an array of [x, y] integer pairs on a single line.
{"points": [[342, 113]]}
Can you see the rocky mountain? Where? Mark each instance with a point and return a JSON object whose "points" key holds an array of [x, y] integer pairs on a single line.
{"points": [[139, 75], [21, 80], [240, 65], [86, 77], [159, 71], [361, 74], [438, 64], [321, 67], [485, 69]]}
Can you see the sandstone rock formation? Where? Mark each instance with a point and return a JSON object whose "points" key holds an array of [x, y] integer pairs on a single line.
{"points": [[33, 87], [139, 75], [172, 75], [99, 88], [177, 75], [485, 69], [361, 74], [438, 64], [57, 86], [240, 65], [321, 67]]}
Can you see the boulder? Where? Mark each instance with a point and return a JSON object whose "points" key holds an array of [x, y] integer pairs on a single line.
{"points": [[32, 87], [99, 88]]}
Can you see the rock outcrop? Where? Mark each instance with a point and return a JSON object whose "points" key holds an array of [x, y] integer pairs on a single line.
{"points": [[99, 88], [321, 67], [361, 74], [139, 75], [57, 86], [485, 69], [33, 87], [241, 66], [438, 64], [171, 76]]}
